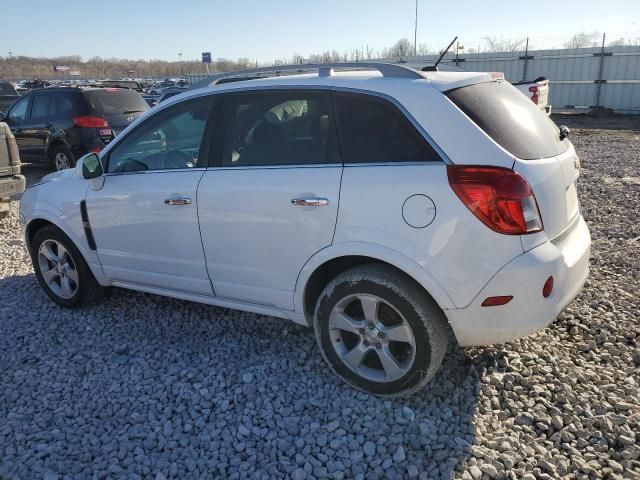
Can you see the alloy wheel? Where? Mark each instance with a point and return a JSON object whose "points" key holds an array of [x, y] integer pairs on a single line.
{"points": [[372, 338], [58, 269], [61, 161]]}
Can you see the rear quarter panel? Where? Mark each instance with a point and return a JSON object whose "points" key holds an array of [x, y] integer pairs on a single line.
{"points": [[458, 250]]}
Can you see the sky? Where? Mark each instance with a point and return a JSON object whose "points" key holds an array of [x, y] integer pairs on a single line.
{"points": [[269, 29]]}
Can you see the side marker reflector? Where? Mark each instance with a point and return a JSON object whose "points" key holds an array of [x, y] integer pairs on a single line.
{"points": [[496, 301], [548, 287]]}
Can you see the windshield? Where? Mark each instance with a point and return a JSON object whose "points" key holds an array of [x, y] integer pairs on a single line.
{"points": [[116, 101], [510, 119]]}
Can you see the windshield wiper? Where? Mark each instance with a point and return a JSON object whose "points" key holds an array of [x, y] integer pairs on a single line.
{"points": [[132, 111]]}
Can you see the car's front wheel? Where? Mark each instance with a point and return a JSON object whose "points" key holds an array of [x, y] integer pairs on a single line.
{"points": [[61, 270], [379, 332]]}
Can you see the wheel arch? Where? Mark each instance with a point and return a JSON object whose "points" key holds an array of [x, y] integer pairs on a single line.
{"points": [[56, 142], [330, 262], [42, 219]]}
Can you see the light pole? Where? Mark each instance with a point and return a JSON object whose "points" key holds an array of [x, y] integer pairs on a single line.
{"points": [[415, 33]]}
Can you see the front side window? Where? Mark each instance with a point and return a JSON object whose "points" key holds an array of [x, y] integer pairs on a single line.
{"points": [[169, 140], [374, 130], [278, 128], [19, 111]]}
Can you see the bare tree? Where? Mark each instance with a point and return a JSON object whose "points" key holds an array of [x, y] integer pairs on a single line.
{"points": [[581, 40], [401, 49], [495, 44]]}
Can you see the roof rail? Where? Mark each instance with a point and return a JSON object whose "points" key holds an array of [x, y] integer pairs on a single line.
{"points": [[324, 70]]}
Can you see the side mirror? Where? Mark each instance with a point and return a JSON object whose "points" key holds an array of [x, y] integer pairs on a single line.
{"points": [[90, 166]]}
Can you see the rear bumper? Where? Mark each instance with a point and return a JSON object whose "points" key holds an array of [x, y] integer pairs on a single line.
{"points": [[11, 185], [566, 259]]}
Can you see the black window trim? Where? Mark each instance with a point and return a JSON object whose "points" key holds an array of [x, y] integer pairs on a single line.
{"points": [[205, 145], [217, 145]]}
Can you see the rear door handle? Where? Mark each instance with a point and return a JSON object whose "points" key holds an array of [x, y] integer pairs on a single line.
{"points": [[310, 202], [178, 201]]}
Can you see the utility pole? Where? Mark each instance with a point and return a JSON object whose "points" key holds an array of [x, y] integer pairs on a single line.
{"points": [[415, 33]]}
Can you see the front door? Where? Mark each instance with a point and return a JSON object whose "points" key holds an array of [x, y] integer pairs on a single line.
{"points": [[144, 218], [271, 202], [16, 118], [36, 130]]}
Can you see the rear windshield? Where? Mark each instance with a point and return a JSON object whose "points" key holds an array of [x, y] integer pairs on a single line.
{"points": [[116, 101], [510, 119], [7, 89]]}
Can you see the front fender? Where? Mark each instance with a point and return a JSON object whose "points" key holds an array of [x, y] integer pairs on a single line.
{"points": [[378, 252]]}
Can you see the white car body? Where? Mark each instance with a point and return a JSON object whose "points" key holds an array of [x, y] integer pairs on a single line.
{"points": [[242, 244]]}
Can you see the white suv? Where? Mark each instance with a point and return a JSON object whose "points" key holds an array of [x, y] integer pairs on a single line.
{"points": [[377, 204]]}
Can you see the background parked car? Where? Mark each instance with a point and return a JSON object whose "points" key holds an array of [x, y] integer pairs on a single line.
{"points": [[60, 124], [171, 92], [159, 87], [537, 91], [11, 182], [8, 95]]}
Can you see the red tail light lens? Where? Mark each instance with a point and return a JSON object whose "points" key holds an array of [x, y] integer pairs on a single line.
{"points": [[90, 122], [501, 198], [535, 90]]}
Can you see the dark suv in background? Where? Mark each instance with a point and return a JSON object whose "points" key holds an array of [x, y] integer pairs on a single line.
{"points": [[59, 125]]}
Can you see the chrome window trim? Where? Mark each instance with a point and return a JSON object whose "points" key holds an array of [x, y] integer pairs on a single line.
{"points": [[161, 170]]}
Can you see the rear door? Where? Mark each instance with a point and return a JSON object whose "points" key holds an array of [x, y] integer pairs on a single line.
{"points": [[271, 201]]}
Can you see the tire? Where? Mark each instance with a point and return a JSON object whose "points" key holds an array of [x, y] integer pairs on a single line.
{"points": [[62, 158], [408, 328], [83, 289]]}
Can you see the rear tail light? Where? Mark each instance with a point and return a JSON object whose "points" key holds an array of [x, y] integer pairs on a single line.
{"points": [[95, 150], [90, 122], [14, 156], [535, 91], [501, 198]]}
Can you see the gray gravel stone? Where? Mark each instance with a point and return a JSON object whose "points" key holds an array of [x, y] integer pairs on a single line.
{"points": [[142, 386]]}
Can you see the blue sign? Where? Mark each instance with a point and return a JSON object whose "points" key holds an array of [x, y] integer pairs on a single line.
{"points": [[206, 57]]}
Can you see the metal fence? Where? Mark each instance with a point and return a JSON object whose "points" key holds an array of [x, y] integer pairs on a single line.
{"points": [[605, 77]]}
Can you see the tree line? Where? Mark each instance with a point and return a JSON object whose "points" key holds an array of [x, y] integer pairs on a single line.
{"points": [[22, 67]]}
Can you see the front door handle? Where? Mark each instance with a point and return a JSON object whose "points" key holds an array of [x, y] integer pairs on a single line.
{"points": [[310, 202], [178, 201]]}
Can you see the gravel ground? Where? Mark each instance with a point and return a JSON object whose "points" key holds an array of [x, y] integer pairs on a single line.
{"points": [[148, 387]]}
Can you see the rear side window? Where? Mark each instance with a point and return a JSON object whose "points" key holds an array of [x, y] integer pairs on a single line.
{"points": [[511, 119], [70, 104], [40, 107], [116, 101], [278, 128], [374, 130]]}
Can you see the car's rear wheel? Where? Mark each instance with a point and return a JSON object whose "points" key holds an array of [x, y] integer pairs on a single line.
{"points": [[379, 332], [62, 158], [61, 270]]}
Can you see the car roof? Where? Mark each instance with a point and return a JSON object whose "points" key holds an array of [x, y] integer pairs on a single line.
{"points": [[359, 79]]}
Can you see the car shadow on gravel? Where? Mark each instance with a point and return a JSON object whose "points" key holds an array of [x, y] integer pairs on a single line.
{"points": [[143, 384]]}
